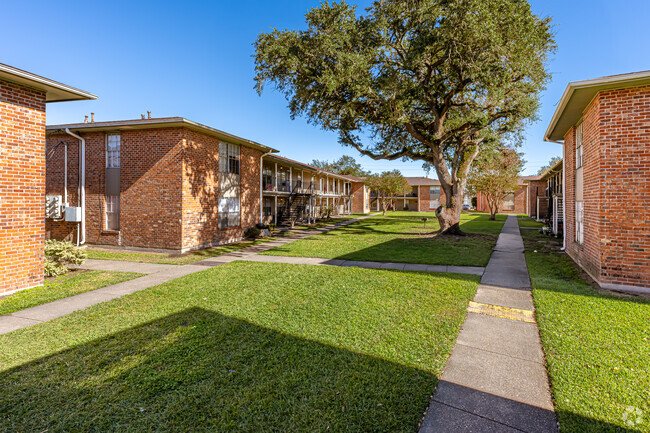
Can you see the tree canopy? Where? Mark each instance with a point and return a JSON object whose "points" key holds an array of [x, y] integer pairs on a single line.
{"points": [[428, 80], [494, 174], [550, 164], [387, 186], [346, 165]]}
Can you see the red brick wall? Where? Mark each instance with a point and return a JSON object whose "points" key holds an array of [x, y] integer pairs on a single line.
{"points": [[520, 202], [150, 188], [588, 254], [622, 176], [359, 195], [536, 188], [201, 192], [22, 186]]}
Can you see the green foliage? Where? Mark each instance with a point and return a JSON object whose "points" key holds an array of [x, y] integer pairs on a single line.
{"points": [[252, 233], [345, 165], [474, 202], [495, 173], [387, 185], [550, 164], [59, 255], [432, 80]]}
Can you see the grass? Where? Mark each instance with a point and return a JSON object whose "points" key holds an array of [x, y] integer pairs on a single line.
{"points": [[171, 259], [74, 283], [242, 347], [597, 344], [526, 221], [401, 237]]}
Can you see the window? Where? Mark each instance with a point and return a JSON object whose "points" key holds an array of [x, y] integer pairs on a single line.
{"points": [[268, 207], [268, 182], [579, 146], [228, 158], [434, 197], [112, 212], [509, 201], [113, 151], [580, 221], [229, 179]]}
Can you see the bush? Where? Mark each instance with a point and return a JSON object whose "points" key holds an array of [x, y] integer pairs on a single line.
{"points": [[474, 202], [252, 232], [59, 255]]}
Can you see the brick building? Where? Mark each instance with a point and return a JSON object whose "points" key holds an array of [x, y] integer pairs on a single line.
{"points": [[23, 97], [166, 183], [514, 202], [603, 125], [425, 196], [174, 184]]}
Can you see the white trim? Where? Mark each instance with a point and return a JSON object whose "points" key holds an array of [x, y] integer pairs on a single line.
{"points": [[58, 92]]}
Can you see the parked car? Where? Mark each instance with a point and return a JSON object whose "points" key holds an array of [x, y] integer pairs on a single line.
{"points": [[466, 207]]}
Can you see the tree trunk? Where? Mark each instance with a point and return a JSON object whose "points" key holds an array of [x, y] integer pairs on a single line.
{"points": [[449, 219]]}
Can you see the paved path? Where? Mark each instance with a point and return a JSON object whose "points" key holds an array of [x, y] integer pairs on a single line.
{"points": [[495, 379], [157, 274]]}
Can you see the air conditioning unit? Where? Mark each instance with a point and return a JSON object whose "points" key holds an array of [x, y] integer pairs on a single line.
{"points": [[53, 206], [73, 214]]}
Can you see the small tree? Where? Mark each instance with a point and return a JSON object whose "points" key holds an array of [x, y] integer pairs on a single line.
{"points": [[550, 164], [387, 185], [345, 165], [494, 174]]}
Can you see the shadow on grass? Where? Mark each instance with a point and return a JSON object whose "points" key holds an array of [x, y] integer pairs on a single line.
{"points": [[201, 371]]}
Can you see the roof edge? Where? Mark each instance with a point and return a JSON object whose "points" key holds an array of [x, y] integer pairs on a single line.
{"points": [[30, 79]]}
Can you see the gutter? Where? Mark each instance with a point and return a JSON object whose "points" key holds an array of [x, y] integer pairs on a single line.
{"points": [[82, 181]]}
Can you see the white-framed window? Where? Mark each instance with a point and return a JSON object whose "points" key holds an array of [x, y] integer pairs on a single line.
{"points": [[228, 158], [580, 221], [112, 212], [228, 212], [434, 197], [579, 146], [113, 150], [229, 185]]}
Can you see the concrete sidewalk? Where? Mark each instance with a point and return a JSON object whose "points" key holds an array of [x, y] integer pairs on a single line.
{"points": [[157, 274], [495, 379]]}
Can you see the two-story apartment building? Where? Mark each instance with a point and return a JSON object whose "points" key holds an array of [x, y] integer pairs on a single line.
{"points": [[603, 126], [174, 184], [23, 98]]}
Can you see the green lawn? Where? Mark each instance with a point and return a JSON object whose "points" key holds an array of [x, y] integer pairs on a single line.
{"points": [[171, 259], [401, 237], [74, 283], [597, 345], [526, 221], [246, 347]]}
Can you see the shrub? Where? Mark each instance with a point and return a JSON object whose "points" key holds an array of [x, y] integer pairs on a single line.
{"points": [[252, 232], [59, 255], [474, 202]]}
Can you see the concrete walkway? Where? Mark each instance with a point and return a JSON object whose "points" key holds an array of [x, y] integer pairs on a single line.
{"points": [[495, 379], [157, 274]]}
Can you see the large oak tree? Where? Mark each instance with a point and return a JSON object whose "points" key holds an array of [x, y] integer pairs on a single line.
{"points": [[428, 80]]}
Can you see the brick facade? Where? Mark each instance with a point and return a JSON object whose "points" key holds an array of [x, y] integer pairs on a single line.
{"points": [[521, 202], [22, 186], [616, 178], [169, 188], [360, 198], [536, 188]]}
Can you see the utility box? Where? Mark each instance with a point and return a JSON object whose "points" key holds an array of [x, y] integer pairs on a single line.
{"points": [[53, 206], [73, 214]]}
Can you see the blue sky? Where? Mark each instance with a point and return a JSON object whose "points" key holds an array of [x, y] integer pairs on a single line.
{"points": [[194, 59]]}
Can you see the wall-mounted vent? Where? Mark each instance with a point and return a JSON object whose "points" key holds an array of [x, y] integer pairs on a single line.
{"points": [[53, 206]]}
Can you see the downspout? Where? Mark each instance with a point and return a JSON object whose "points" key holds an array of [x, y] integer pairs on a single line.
{"points": [[65, 174], [82, 181], [262, 187], [563, 193]]}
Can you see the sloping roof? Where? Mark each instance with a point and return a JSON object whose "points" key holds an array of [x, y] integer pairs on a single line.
{"points": [[160, 122], [415, 181], [306, 166], [529, 178], [579, 94], [54, 91], [354, 178]]}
